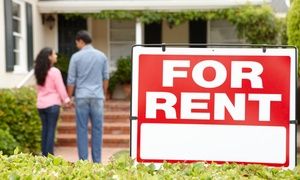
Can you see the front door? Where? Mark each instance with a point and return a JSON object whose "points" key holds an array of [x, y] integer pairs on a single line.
{"points": [[67, 29]]}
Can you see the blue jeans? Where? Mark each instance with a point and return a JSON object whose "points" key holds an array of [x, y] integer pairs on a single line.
{"points": [[49, 118], [89, 108]]}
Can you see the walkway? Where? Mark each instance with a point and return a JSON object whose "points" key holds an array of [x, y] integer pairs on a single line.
{"points": [[70, 153]]}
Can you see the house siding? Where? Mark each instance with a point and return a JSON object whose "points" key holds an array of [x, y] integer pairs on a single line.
{"points": [[100, 35], [51, 35]]}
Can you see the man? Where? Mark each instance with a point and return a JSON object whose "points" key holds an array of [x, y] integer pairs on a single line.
{"points": [[88, 75]]}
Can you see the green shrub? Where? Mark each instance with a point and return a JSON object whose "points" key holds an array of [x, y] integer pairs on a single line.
{"points": [[293, 28], [62, 63], [7, 142], [122, 75], [26, 166], [20, 118]]}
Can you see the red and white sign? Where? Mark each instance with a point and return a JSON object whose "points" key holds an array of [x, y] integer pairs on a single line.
{"points": [[214, 104]]}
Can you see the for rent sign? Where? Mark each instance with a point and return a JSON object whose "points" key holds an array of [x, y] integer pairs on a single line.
{"points": [[214, 104]]}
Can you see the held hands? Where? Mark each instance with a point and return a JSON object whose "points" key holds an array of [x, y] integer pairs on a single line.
{"points": [[69, 103]]}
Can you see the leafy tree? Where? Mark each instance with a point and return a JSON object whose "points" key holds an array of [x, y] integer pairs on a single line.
{"points": [[293, 26]]}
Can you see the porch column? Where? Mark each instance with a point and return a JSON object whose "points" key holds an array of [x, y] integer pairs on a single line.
{"points": [[139, 32]]}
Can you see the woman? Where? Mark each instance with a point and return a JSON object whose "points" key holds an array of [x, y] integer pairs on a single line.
{"points": [[51, 93]]}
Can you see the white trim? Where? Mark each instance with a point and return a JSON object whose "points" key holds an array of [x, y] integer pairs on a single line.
{"points": [[17, 34], [16, 18], [138, 32], [22, 51], [55, 30], [26, 79], [84, 6], [108, 42]]}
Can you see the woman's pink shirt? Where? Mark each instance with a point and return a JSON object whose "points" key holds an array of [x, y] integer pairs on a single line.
{"points": [[53, 92]]}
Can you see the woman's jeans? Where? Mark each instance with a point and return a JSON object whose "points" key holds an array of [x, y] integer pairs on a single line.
{"points": [[89, 108], [49, 118]]}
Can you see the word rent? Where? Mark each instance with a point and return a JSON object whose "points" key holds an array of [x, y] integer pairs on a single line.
{"points": [[191, 101]]}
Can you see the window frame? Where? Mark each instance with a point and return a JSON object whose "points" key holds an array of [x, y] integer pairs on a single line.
{"points": [[20, 65], [123, 28]]}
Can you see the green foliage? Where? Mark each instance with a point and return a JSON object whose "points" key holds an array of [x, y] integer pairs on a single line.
{"points": [[20, 118], [7, 142], [122, 75], [293, 27], [26, 166], [257, 24], [283, 38], [62, 63]]}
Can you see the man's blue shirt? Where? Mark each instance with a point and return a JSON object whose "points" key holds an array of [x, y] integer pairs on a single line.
{"points": [[87, 69]]}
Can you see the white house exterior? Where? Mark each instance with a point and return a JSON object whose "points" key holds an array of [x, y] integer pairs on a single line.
{"points": [[24, 30]]}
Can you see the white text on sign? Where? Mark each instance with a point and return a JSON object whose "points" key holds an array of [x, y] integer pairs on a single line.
{"points": [[190, 100]]}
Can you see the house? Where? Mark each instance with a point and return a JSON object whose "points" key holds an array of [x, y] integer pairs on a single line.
{"points": [[29, 25]]}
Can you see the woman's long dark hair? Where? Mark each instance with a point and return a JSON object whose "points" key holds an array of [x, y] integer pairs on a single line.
{"points": [[42, 65]]}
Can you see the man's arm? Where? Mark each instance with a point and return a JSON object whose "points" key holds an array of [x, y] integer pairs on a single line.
{"points": [[71, 77], [105, 86], [70, 89], [105, 74]]}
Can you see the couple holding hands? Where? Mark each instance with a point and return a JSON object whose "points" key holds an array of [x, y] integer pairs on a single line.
{"points": [[88, 75]]}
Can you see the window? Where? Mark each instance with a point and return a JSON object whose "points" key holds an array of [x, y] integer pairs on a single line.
{"points": [[222, 31], [19, 36], [122, 37]]}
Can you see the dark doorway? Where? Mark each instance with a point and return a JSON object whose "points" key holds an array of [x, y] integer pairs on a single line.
{"points": [[153, 33], [67, 29], [198, 32]]}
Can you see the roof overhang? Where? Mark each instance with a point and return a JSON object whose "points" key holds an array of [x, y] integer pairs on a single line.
{"points": [[92, 6]]}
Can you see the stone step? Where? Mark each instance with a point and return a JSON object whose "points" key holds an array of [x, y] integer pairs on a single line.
{"points": [[109, 128], [116, 127], [111, 105], [109, 140], [117, 105], [109, 116]]}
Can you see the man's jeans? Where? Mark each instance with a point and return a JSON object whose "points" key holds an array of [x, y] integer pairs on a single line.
{"points": [[89, 108], [49, 118]]}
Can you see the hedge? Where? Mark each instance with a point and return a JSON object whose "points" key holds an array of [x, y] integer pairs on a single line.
{"points": [[7, 142], [26, 166], [19, 117]]}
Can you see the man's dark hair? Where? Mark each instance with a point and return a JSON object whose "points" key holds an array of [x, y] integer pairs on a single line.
{"points": [[84, 36]]}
